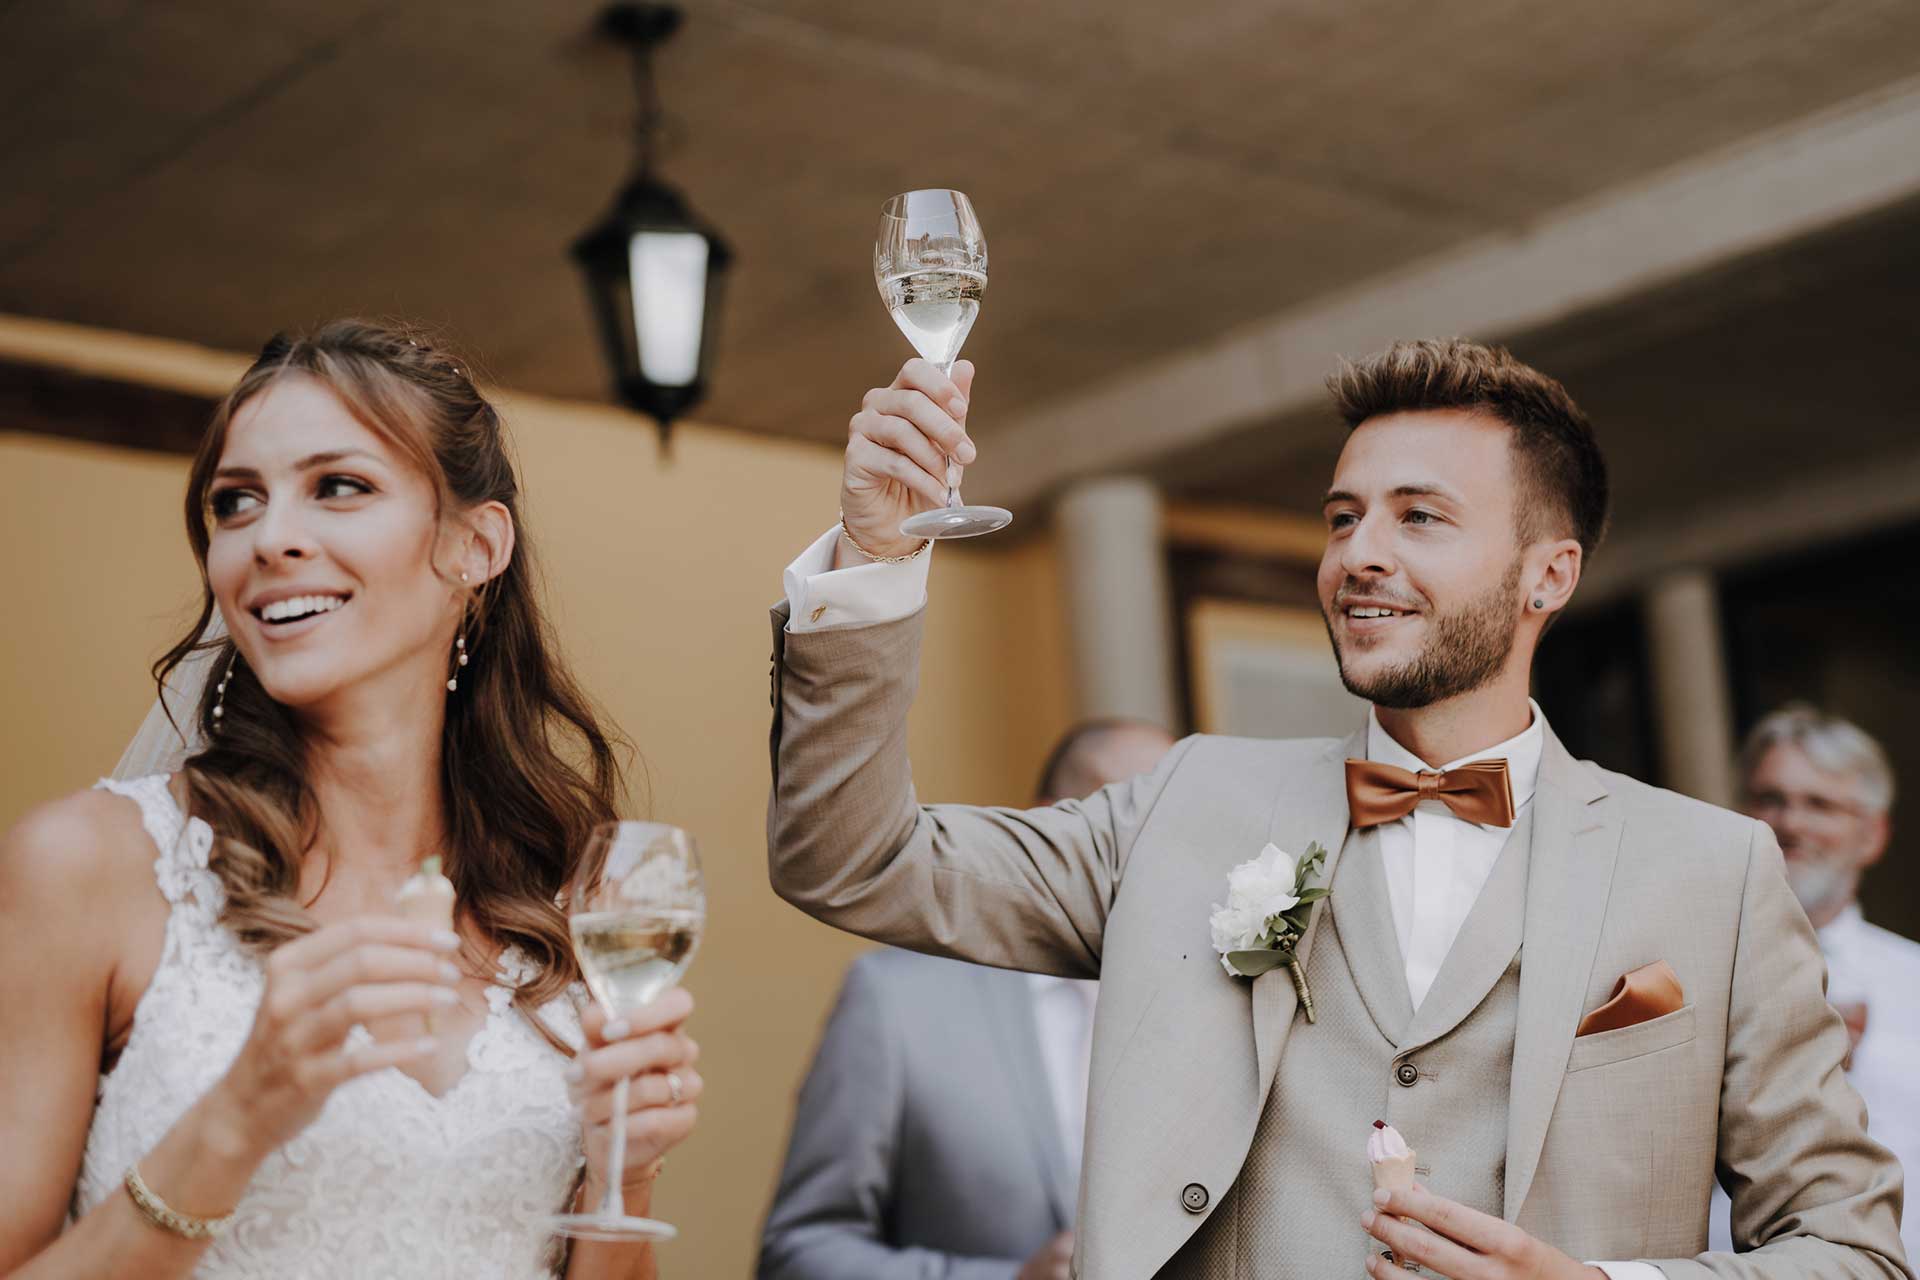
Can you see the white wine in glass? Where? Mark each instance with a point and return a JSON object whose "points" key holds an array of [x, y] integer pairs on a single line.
{"points": [[636, 913], [930, 261]]}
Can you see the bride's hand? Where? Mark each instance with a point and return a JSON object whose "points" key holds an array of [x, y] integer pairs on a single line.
{"points": [[317, 989], [648, 1048]]}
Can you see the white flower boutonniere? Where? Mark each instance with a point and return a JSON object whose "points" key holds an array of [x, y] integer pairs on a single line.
{"points": [[1268, 906]]}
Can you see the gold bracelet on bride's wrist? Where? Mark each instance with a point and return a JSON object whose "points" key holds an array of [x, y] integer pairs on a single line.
{"points": [[166, 1217]]}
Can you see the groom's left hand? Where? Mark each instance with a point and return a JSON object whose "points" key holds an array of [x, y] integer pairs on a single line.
{"points": [[1460, 1243]]}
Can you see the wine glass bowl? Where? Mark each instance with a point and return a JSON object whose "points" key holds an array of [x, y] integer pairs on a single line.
{"points": [[930, 263], [636, 911]]}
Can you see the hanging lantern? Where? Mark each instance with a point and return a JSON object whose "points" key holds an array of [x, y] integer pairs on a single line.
{"points": [[654, 271]]}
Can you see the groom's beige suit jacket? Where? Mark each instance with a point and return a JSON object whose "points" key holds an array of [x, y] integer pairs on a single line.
{"points": [[1612, 1141]]}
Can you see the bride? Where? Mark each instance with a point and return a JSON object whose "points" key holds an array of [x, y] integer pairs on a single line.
{"points": [[223, 1053]]}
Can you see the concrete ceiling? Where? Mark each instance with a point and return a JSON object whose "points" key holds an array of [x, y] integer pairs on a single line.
{"points": [[1780, 381], [1151, 176]]}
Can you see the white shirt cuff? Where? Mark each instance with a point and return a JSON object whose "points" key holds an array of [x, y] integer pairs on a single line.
{"points": [[1630, 1270], [820, 596]]}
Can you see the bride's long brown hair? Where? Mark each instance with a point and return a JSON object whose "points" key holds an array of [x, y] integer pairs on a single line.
{"points": [[526, 768]]}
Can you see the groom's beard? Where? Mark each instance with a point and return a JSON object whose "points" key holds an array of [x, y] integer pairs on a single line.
{"points": [[1465, 650]]}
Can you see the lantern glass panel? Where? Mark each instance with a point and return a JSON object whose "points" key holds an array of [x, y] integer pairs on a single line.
{"points": [[669, 274]]}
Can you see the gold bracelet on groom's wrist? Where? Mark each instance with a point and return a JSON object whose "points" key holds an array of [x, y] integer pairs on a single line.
{"points": [[911, 556], [166, 1217]]}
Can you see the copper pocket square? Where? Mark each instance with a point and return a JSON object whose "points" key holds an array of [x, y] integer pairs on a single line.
{"points": [[1642, 995]]}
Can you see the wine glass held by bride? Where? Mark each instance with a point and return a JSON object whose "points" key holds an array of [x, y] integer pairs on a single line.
{"points": [[215, 1056]]}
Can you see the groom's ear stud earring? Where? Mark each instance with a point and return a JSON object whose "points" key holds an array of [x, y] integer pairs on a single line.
{"points": [[1539, 604]]}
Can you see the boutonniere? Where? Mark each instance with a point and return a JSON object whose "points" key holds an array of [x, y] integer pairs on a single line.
{"points": [[1268, 906]]}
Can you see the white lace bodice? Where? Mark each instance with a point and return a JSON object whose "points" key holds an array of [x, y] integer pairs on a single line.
{"points": [[389, 1180]]}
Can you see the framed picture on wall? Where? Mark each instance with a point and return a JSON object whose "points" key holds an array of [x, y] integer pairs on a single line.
{"points": [[1265, 671]]}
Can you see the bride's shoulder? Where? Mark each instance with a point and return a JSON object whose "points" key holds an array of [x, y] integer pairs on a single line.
{"points": [[88, 847]]}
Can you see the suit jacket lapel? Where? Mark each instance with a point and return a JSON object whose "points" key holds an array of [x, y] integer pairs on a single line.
{"points": [[1009, 1005], [1576, 839], [1361, 916], [1312, 809]]}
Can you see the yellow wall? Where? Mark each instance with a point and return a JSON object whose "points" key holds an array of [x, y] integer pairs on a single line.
{"points": [[660, 578]]}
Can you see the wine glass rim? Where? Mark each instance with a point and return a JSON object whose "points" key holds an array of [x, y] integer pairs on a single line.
{"points": [[888, 206]]}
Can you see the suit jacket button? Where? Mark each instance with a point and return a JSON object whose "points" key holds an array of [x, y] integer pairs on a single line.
{"points": [[1407, 1074], [1194, 1198]]}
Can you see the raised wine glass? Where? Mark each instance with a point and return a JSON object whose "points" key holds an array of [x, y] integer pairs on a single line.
{"points": [[930, 262], [636, 912]]}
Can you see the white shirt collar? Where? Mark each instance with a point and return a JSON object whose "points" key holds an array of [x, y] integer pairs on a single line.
{"points": [[1521, 752]]}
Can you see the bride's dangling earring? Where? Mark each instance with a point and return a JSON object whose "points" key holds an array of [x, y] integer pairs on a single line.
{"points": [[459, 652], [220, 690]]}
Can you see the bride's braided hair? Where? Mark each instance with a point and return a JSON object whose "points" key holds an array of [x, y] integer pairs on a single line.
{"points": [[526, 768]]}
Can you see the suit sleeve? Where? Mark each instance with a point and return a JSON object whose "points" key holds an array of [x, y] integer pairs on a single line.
{"points": [[1814, 1198], [829, 1214], [849, 843]]}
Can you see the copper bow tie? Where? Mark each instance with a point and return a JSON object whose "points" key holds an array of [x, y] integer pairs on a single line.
{"points": [[1477, 792]]}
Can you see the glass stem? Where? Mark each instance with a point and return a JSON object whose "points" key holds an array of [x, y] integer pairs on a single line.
{"points": [[953, 468], [615, 1204]]}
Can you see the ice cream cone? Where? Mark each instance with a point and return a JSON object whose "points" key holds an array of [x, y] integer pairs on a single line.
{"points": [[1394, 1173], [1392, 1161]]}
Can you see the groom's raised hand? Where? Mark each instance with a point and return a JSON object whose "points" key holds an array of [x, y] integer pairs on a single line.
{"points": [[1451, 1240], [896, 454]]}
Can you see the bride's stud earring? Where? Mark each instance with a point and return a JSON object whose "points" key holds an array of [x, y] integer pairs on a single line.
{"points": [[220, 702]]}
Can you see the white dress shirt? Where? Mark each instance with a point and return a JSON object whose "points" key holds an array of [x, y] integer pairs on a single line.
{"points": [[1866, 963], [1063, 1016], [1428, 907]]}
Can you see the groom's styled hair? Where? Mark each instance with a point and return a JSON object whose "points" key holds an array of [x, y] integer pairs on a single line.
{"points": [[1562, 477]]}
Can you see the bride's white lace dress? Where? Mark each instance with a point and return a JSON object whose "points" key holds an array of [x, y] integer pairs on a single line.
{"points": [[389, 1180]]}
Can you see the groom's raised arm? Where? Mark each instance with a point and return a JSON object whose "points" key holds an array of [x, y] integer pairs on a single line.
{"points": [[849, 843], [847, 839]]}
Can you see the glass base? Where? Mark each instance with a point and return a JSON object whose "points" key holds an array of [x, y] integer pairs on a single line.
{"points": [[955, 522], [611, 1228]]}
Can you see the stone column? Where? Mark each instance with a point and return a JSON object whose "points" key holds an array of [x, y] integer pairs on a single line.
{"points": [[1119, 610], [1692, 700]]}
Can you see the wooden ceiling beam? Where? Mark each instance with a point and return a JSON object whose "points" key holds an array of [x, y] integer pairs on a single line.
{"points": [[52, 401]]}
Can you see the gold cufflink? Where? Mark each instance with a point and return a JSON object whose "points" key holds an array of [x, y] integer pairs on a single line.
{"points": [[815, 615]]}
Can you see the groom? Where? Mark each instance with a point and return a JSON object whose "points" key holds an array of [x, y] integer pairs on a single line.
{"points": [[1578, 997]]}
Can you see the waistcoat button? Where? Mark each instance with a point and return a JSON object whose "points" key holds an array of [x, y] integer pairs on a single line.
{"points": [[1407, 1074], [1194, 1198]]}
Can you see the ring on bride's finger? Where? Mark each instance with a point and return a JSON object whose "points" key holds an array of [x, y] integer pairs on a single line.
{"points": [[675, 1089]]}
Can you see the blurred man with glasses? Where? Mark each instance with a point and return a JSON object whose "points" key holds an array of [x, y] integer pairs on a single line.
{"points": [[1825, 787]]}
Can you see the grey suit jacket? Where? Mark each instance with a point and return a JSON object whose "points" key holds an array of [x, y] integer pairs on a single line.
{"points": [[1625, 1127], [924, 1144]]}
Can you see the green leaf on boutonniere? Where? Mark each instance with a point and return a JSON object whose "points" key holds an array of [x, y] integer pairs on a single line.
{"points": [[1251, 964], [1314, 894]]}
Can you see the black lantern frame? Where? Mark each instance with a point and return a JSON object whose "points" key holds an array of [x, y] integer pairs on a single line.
{"points": [[645, 205]]}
